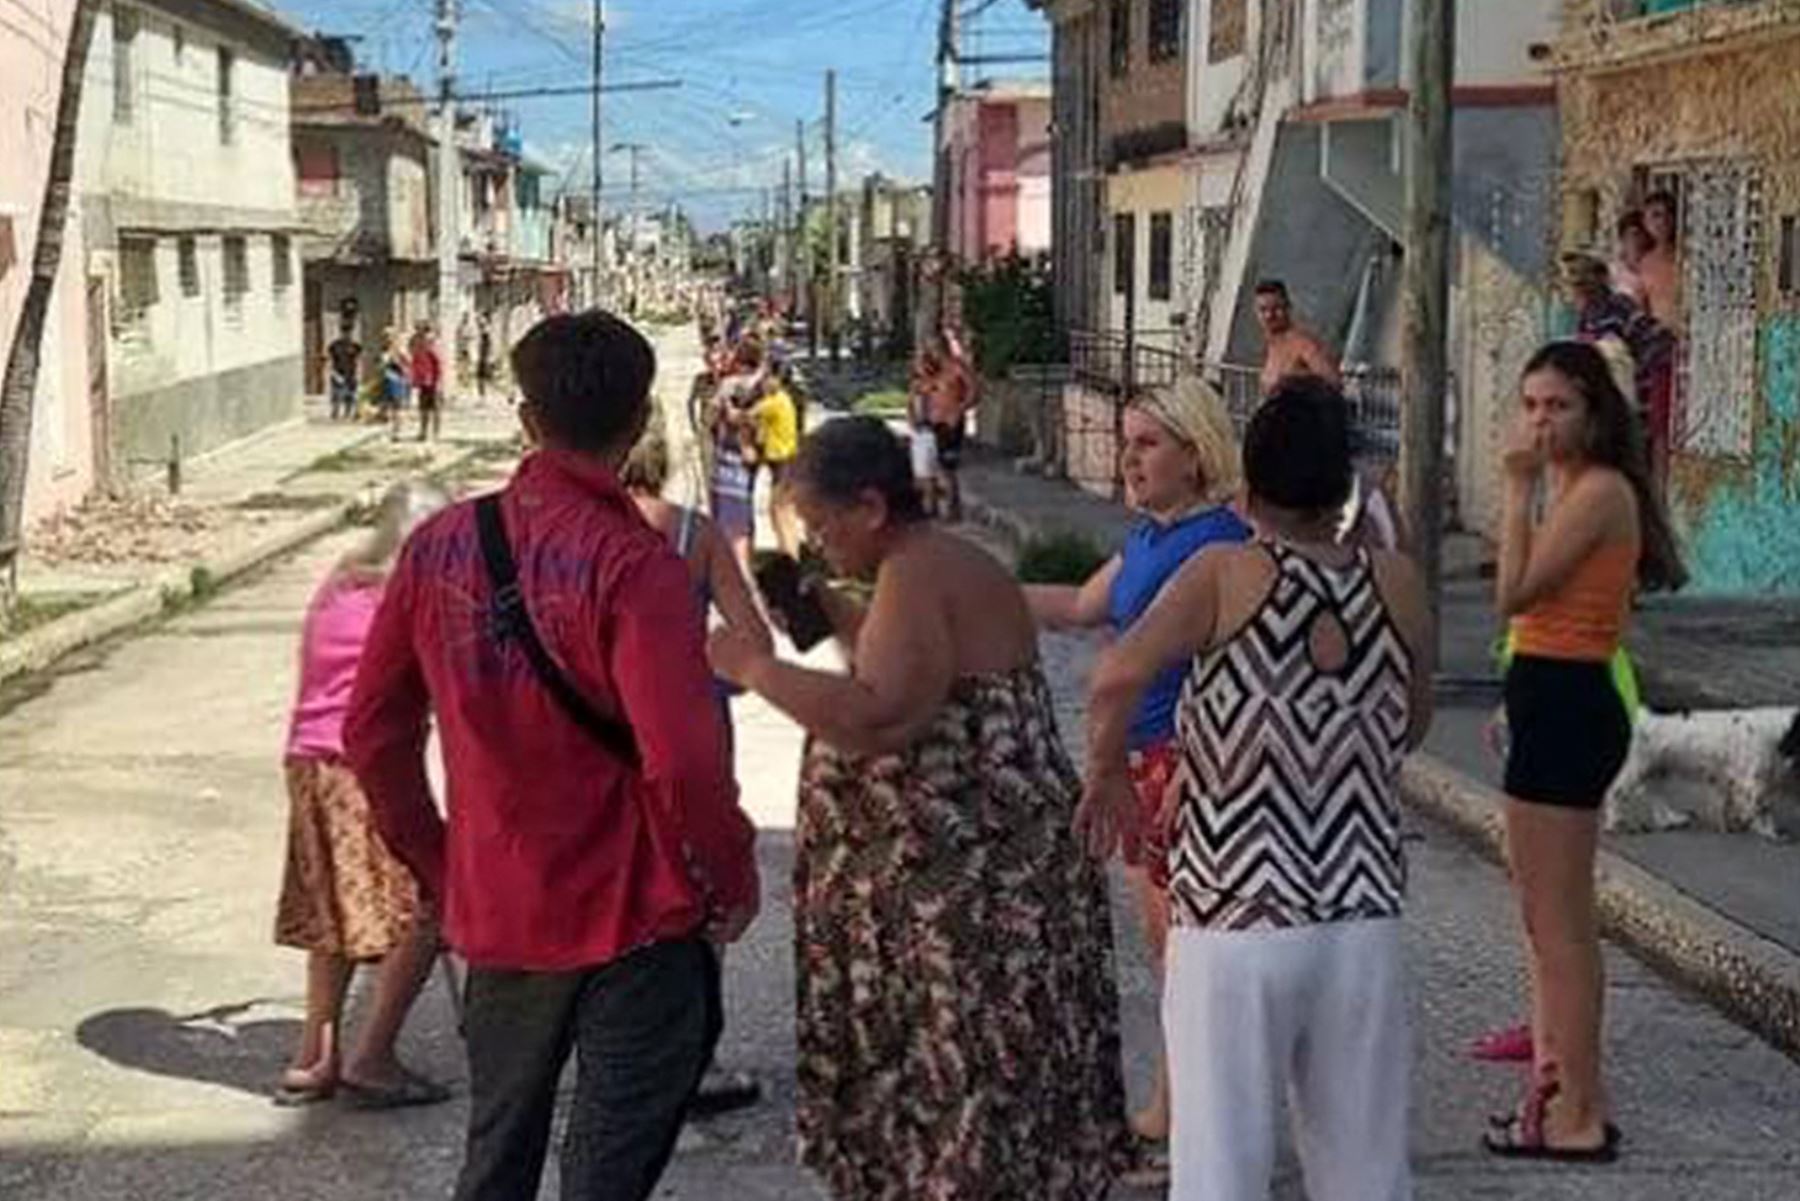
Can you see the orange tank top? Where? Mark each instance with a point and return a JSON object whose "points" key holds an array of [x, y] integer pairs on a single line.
{"points": [[1585, 618]]}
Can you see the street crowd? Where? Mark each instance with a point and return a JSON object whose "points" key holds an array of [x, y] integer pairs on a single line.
{"points": [[575, 641]]}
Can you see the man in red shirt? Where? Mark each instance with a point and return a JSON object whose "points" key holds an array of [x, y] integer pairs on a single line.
{"points": [[427, 369], [581, 882]]}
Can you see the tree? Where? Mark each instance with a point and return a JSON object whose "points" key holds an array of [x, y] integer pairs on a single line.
{"points": [[19, 385]]}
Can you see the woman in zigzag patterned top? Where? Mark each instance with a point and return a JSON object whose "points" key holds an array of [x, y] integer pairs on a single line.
{"points": [[1180, 463], [1310, 678]]}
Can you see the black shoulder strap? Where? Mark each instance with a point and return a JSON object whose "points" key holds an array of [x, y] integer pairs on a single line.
{"points": [[513, 622]]}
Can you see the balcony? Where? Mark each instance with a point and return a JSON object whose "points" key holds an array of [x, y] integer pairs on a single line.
{"points": [[1614, 34]]}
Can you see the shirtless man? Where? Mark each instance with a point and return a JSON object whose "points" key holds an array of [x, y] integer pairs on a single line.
{"points": [[1659, 271], [1288, 349]]}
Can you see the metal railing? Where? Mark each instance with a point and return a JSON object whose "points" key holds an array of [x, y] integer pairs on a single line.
{"points": [[1122, 362]]}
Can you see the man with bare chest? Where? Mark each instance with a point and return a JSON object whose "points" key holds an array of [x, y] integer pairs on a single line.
{"points": [[1288, 349], [1659, 270]]}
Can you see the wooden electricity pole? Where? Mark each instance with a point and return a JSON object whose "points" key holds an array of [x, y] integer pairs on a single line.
{"points": [[832, 309], [1425, 297]]}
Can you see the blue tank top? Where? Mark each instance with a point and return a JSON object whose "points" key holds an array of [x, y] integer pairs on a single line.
{"points": [[1154, 552]]}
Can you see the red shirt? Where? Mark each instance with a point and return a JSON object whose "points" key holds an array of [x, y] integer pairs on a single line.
{"points": [[556, 854], [426, 368]]}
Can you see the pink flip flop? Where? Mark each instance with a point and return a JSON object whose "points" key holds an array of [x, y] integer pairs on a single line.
{"points": [[1511, 1045]]}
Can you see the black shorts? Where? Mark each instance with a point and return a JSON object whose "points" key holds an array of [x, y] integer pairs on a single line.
{"points": [[1569, 731], [428, 398], [949, 444]]}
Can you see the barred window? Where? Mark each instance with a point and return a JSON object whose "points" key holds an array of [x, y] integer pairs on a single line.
{"points": [[124, 46], [282, 253], [1162, 255], [1124, 252], [137, 279], [188, 261], [227, 105], [1165, 30], [237, 273], [1119, 36]]}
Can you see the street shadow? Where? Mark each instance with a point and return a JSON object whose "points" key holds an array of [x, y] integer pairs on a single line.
{"points": [[211, 1046]]}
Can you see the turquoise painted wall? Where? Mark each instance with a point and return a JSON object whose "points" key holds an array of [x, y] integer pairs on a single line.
{"points": [[1745, 537]]}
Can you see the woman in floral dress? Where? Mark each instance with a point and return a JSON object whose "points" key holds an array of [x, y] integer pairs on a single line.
{"points": [[958, 1027]]}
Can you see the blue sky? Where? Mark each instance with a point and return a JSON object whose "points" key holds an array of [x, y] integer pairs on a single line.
{"points": [[748, 69]]}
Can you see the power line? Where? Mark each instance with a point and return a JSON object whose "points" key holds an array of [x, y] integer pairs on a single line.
{"points": [[583, 89]]}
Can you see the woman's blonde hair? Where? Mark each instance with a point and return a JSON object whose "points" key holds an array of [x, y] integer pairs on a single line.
{"points": [[401, 510], [1194, 412], [646, 468]]}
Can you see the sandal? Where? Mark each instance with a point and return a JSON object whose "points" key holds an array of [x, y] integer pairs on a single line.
{"points": [[1521, 1135], [297, 1088], [408, 1091], [1511, 1045]]}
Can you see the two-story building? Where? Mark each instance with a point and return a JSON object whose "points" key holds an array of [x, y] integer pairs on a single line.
{"points": [[186, 177], [997, 161], [68, 446], [1697, 98], [362, 155], [509, 273]]}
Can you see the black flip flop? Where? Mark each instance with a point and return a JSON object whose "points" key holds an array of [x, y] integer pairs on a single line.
{"points": [[724, 1092], [1500, 1141]]}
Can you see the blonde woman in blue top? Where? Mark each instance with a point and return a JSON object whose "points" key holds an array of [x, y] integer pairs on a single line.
{"points": [[1179, 461]]}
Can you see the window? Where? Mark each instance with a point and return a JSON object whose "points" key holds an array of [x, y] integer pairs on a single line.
{"points": [[125, 33], [1229, 30], [1119, 35], [1165, 29], [1162, 255], [188, 259], [137, 279], [180, 45], [227, 110], [237, 274], [316, 168], [1124, 256], [1787, 271], [281, 252]]}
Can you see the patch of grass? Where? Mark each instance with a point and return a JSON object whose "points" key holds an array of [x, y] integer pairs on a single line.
{"points": [[352, 458], [883, 402], [284, 502], [42, 608], [1061, 558]]}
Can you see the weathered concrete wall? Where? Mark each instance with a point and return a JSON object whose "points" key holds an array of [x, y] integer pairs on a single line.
{"points": [[62, 451], [210, 410], [1499, 318]]}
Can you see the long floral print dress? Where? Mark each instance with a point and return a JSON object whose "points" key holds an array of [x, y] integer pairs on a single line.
{"points": [[958, 1019]]}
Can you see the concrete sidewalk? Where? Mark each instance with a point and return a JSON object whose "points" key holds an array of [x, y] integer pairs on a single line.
{"points": [[115, 562], [1721, 911]]}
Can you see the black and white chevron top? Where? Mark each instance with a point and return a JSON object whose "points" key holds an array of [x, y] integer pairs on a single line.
{"points": [[1290, 773]]}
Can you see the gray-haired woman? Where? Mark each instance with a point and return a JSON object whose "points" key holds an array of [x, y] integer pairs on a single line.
{"points": [[345, 898]]}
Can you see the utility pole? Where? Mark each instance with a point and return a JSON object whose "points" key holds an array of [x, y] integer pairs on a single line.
{"points": [[785, 234], [449, 172], [949, 81], [597, 267], [805, 273], [832, 306], [1425, 295]]}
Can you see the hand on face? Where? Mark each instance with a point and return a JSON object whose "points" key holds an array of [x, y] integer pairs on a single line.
{"points": [[1526, 451]]}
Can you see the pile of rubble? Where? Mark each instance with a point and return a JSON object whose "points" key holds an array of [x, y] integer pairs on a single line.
{"points": [[135, 528]]}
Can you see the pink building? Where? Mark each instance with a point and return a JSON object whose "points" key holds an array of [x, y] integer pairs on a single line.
{"points": [[63, 446], [997, 140]]}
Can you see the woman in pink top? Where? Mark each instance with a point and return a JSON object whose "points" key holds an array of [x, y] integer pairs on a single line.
{"points": [[345, 898]]}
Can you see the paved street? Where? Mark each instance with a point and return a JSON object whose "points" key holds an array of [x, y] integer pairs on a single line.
{"points": [[144, 1012]]}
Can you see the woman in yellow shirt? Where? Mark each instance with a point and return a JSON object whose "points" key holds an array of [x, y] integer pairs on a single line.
{"points": [[776, 420]]}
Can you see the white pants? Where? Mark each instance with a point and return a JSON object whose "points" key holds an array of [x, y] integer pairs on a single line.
{"points": [[924, 452], [1319, 1010]]}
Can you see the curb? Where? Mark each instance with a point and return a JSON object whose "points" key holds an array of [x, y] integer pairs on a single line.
{"points": [[1753, 979], [146, 601]]}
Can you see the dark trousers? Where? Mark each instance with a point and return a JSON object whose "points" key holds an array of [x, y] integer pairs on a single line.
{"points": [[642, 1028]]}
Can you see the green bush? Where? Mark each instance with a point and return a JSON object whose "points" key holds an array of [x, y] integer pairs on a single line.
{"points": [[1008, 307], [1060, 558], [886, 402]]}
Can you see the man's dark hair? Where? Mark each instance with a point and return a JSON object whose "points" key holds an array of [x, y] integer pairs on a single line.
{"points": [[1631, 221], [852, 455], [1663, 197], [1273, 287], [587, 377], [1297, 449]]}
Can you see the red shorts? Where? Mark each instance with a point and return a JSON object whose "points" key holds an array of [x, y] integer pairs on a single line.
{"points": [[1152, 771]]}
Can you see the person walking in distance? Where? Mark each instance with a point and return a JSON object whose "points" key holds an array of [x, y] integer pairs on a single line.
{"points": [[426, 364], [1288, 349], [1565, 583], [345, 899], [594, 845], [343, 361], [1181, 469], [484, 358], [1309, 678], [949, 388]]}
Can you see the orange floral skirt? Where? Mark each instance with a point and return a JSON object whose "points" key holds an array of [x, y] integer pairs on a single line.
{"points": [[343, 892]]}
